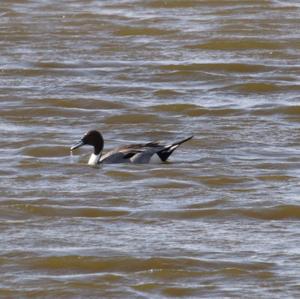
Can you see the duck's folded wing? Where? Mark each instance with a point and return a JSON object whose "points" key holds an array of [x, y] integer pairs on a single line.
{"points": [[137, 153], [113, 157], [145, 155], [121, 154]]}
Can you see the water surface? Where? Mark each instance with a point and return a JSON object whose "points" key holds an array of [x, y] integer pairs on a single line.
{"points": [[221, 219]]}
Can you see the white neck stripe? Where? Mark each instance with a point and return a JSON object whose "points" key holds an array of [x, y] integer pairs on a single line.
{"points": [[93, 161]]}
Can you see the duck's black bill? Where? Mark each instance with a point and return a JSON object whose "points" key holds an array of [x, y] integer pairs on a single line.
{"points": [[77, 145]]}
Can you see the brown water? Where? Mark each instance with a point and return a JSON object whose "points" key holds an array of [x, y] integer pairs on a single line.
{"points": [[221, 219]]}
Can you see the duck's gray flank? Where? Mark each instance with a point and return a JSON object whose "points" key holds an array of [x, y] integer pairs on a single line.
{"points": [[133, 153]]}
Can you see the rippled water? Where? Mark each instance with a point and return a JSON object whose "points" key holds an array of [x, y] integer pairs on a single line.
{"points": [[221, 219]]}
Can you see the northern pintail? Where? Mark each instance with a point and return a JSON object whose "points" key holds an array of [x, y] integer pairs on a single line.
{"points": [[133, 153]]}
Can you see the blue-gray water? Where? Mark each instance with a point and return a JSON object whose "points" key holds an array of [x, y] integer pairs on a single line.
{"points": [[221, 219]]}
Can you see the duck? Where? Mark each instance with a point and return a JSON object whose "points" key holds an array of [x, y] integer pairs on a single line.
{"points": [[131, 153]]}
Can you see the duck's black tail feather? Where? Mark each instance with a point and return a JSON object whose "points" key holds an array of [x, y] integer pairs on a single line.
{"points": [[168, 150]]}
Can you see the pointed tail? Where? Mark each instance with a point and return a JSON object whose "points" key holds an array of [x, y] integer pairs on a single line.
{"points": [[168, 150], [182, 141]]}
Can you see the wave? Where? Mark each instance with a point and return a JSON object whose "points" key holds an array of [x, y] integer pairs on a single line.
{"points": [[292, 110], [172, 4], [141, 31], [218, 67], [279, 212], [237, 44], [153, 266], [260, 87], [132, 118], [195, 110], [27, 209]]}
